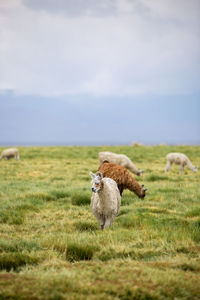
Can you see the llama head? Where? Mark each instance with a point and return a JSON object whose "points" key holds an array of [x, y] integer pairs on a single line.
{"points": [[97, 183], [139, 173], [143, 191], [195, 169]]}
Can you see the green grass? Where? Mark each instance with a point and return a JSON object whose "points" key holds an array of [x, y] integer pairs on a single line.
{"points": [[79, 251], [51, 246], [12, 261]]}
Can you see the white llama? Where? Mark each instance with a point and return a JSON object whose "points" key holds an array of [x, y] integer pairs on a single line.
{"points": [[179, 159], [119, 159], [10, 153], [105, 200]]}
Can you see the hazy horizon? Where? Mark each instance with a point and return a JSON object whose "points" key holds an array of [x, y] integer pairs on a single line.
{"points": [[99, 72]]}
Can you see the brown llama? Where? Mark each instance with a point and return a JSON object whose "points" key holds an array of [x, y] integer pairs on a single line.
{"points": [[122, 177]]}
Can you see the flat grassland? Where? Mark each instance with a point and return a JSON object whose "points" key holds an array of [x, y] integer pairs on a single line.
{"points": [[51, 246]]}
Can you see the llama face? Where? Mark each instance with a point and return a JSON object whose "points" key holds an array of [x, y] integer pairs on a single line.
{"points": [[97, 183], [143, 191], [195, 169]]}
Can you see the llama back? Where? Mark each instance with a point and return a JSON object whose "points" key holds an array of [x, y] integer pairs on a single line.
{"points": [[119, 159], [111, 157], [179, 159], [122, 177], [10, 153]]}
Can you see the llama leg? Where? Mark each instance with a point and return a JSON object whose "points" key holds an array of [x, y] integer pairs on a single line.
{"points": [[102, 222], [107, 222], [167, 167], [181, 169], [120, 187]]}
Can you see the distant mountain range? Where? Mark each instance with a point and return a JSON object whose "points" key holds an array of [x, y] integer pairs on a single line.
{"points": [[30, 120]]}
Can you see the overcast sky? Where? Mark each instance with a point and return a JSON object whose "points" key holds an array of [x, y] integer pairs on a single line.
{"points": [[107, 71]]}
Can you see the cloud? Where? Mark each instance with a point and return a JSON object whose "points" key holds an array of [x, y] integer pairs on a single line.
{"points": [[73, 7], [121, 47]]}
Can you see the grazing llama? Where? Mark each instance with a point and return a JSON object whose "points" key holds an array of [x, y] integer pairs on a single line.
{"points": [[119, 159], [179, 159], [10, 153], [105, 200], [122, 177]]}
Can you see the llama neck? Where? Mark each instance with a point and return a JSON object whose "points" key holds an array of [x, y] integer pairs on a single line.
{"points": [[134, 186], [133, 169], [103, 193], [190, 165]]}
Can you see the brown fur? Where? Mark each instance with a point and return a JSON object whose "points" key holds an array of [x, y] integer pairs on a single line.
{"points": [[122, 177]]}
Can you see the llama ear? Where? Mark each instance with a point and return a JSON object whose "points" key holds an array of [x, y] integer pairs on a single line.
{"points": [[92, 175], [99, 174], [143, 187]]}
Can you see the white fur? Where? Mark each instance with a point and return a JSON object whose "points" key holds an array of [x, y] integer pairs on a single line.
{"points": [[10, 153], [119, 159], [179, 159], [105, 203]]}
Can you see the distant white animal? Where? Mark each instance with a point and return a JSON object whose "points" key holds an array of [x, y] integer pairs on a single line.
{"points": [[119, 159], [179, 159], [10, 153], [105, 200]]}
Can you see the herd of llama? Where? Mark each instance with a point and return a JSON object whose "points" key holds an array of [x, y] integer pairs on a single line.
{"points": [[112, 178]]}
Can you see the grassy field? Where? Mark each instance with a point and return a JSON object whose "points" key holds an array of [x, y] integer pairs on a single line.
{"points": [[51, 246]]}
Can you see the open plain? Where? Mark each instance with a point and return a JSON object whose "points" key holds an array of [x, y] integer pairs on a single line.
{"points": [[51, 246]]}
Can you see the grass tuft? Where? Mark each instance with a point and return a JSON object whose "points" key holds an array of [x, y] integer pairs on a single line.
{"points": [[58, 194], [17, 245], [127, 200], [81, 198], [42, 196], [12, 217], [9, 261], [188, 267], [129, 221], [85, 226], [195, 230], [195, 212], [124, 211], [138, 294], [77, 252], [154, 177]]}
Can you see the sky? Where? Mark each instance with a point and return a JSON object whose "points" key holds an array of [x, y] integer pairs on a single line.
{"points": [[99, 72]]}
